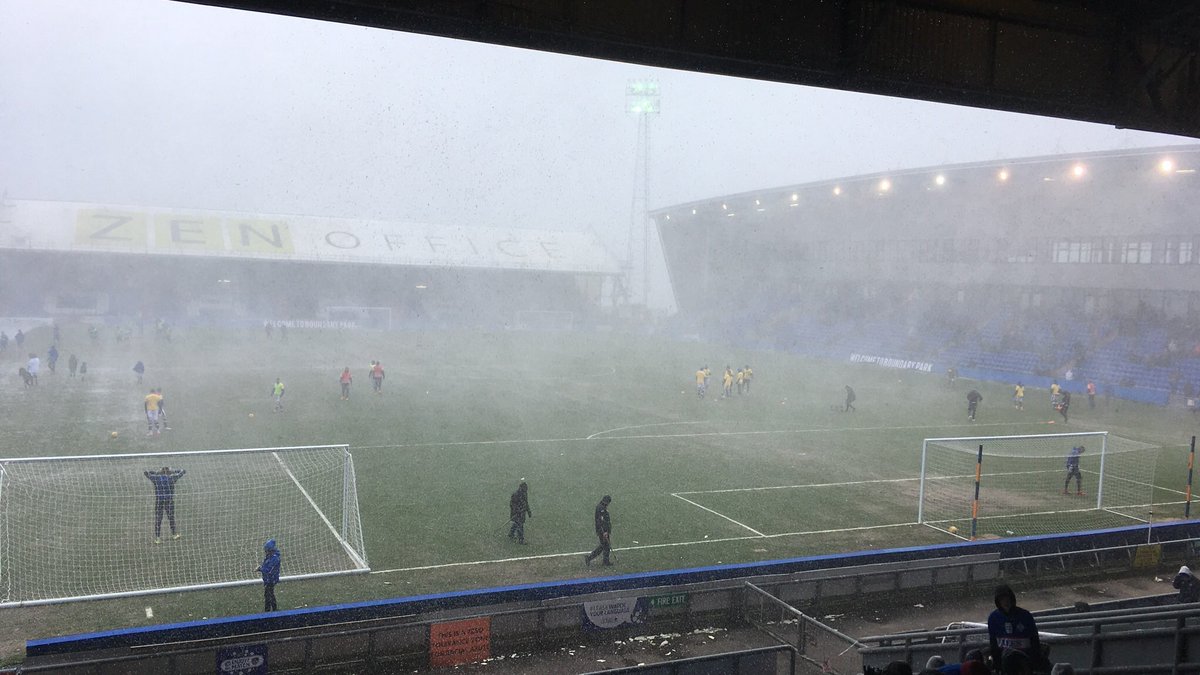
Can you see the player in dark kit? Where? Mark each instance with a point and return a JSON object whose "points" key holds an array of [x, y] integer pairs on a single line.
{"points": [[973, 399], [850, 398], [164, 499], [603, 533], [1073, 471], [1064, 402], [518, 509]]}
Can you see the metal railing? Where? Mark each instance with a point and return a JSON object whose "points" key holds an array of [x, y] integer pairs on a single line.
{"points": [[763, 660], [816, 643], [1096, 643]]}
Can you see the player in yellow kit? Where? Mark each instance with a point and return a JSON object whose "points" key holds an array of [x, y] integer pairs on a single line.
{"points": [[151, 407]]}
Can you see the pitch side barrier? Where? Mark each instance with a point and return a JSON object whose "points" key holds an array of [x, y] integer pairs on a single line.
{"points": [[228, 627]]}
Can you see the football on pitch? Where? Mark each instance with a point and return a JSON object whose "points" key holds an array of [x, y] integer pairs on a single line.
{"points": [[251, 414], [953, 529], [113, 435]]}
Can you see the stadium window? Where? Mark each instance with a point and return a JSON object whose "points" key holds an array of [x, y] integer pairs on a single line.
{"points": [[1061, 252], [1136, 252]]}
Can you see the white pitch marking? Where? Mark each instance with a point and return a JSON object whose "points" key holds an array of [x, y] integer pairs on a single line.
{"points": [[636, 548], [858, 482], [585, 439], [149, 612], [715, 513], [641, 426]]}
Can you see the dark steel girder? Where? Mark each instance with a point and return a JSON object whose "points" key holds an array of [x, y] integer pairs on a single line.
{"points": [[1129, 64]]}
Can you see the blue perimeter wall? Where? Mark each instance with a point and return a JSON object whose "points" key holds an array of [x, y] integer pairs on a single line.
{"points": [[314, 616]]}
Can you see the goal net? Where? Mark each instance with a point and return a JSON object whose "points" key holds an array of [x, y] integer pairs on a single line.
{"points": [[75, 528], [1023, 486]]}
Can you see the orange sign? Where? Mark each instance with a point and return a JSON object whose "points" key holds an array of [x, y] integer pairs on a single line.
{"points": [[457, 642]]}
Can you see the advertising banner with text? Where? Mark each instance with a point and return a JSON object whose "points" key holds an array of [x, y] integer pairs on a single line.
{"points": [[58, 226]]}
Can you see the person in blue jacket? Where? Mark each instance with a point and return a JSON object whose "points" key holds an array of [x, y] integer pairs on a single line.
{"points": [[270, 574], [164, 499]]}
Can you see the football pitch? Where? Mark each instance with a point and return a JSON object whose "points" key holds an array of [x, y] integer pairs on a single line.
{"points": [[464, 417]]}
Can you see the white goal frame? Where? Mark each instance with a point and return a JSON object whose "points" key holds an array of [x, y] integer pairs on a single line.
{"points": [[978, 440], [348, 532]]}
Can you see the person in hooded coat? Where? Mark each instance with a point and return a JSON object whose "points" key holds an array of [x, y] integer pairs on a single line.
{"points": [[1188, 585]]}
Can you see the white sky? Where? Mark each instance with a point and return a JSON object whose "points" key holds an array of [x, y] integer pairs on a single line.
{"points": [[160, 103]]}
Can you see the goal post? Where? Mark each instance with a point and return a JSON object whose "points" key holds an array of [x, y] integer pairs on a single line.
{"points": [[100, 526], [987, 486]]}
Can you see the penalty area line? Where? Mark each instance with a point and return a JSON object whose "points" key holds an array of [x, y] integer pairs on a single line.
{"points": [[716, 513]]}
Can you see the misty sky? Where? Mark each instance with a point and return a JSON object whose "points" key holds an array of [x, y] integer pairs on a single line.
{"points": [[158, 103]]}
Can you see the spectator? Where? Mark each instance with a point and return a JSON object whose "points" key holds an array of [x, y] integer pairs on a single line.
{"points": [[973, 664], [1012, 629], [1014, 662], [270, 574], [1188, 585]]}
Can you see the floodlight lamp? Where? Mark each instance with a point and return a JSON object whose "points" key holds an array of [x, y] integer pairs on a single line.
{"points": [[724, 207], [885, 185], [795, 197], [1078, 170], [1003, 175], [940, 179], [693, 212], [837, 191], [1166, 166], [757, 203]]}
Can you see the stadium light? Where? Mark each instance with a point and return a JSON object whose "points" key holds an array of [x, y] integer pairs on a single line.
{"points": [[885, 185], [837, 191], [724, 207], [1166, 166], [1003, 175], [940, 180], [795, 197], [693, 212], [1078, 171], [642, 97]]}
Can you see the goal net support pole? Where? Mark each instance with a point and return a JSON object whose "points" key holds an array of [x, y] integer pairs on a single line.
{"points": [[1187, 504], [88, 527]]}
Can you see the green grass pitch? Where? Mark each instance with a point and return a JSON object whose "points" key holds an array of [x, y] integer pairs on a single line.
{"points": [[463, 417]]}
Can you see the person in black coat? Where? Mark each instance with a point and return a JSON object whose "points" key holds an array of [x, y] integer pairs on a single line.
{"points": [[518, 509], [1188, 585], [603, 533], [973, 399]]}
